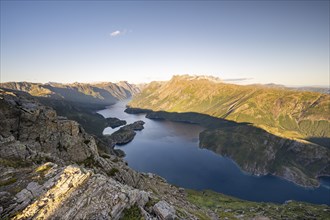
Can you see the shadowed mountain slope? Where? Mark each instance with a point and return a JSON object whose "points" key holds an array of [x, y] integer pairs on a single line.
{"points": [[283, 112]]}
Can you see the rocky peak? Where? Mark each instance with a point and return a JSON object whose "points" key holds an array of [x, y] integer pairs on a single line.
{"points": [[197, 77]]}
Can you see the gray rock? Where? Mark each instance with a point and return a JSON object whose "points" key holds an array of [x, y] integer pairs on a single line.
{"points": [[35, 189], [164, 210], [24, 195]]}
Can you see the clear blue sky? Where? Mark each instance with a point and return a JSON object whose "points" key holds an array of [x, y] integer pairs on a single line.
{"points": [[284, 42]]}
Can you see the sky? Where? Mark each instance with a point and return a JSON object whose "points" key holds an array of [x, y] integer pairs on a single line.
{"points": [[284, 42]]}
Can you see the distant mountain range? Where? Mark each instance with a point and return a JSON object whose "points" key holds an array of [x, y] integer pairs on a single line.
{"points": [[318, 89], [99, 93]]}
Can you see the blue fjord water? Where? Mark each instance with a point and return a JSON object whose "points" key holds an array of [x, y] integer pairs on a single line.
{"points": [[171, 150]]}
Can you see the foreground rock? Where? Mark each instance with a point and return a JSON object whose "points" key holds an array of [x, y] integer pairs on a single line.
{"points": [[164, 210], [76, 193]]}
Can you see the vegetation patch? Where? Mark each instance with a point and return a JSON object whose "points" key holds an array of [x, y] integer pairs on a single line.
{"points": [[151, 202], [132, 213], [113, 171], [61, 147], [88, 162], [41, 160], [8, 181], [14, 163], [116, 160], [230, 207], [43, 169], [106, 156]]}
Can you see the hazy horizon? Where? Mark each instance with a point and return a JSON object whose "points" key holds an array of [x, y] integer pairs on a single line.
{"points": [[248, 42], [237, 81]]}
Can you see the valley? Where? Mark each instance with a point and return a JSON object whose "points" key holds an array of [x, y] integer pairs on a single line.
{"points": [[254, 143], [164, 110], [192, 137]]}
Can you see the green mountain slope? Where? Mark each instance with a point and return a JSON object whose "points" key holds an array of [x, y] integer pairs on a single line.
{"points": [[233, 116], [283, 112]]}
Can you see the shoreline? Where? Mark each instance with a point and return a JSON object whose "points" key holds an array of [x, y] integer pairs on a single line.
{"points": [[209, 123]]}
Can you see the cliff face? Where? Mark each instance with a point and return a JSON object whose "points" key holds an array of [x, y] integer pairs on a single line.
{"points": [[260, 153], [30, 130]]}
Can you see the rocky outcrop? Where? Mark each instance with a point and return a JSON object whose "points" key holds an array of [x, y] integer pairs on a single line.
{"points": [[75, 193], [125, 134], [136, 110], [31, 131], [115, 122], [136, 126], [122, 136]]}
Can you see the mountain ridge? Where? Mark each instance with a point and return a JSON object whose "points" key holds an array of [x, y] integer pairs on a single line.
{"points": [[97, 93], [284, 112]]}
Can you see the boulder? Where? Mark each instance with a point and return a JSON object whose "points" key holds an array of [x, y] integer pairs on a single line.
{"points": [[164, 211]]}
